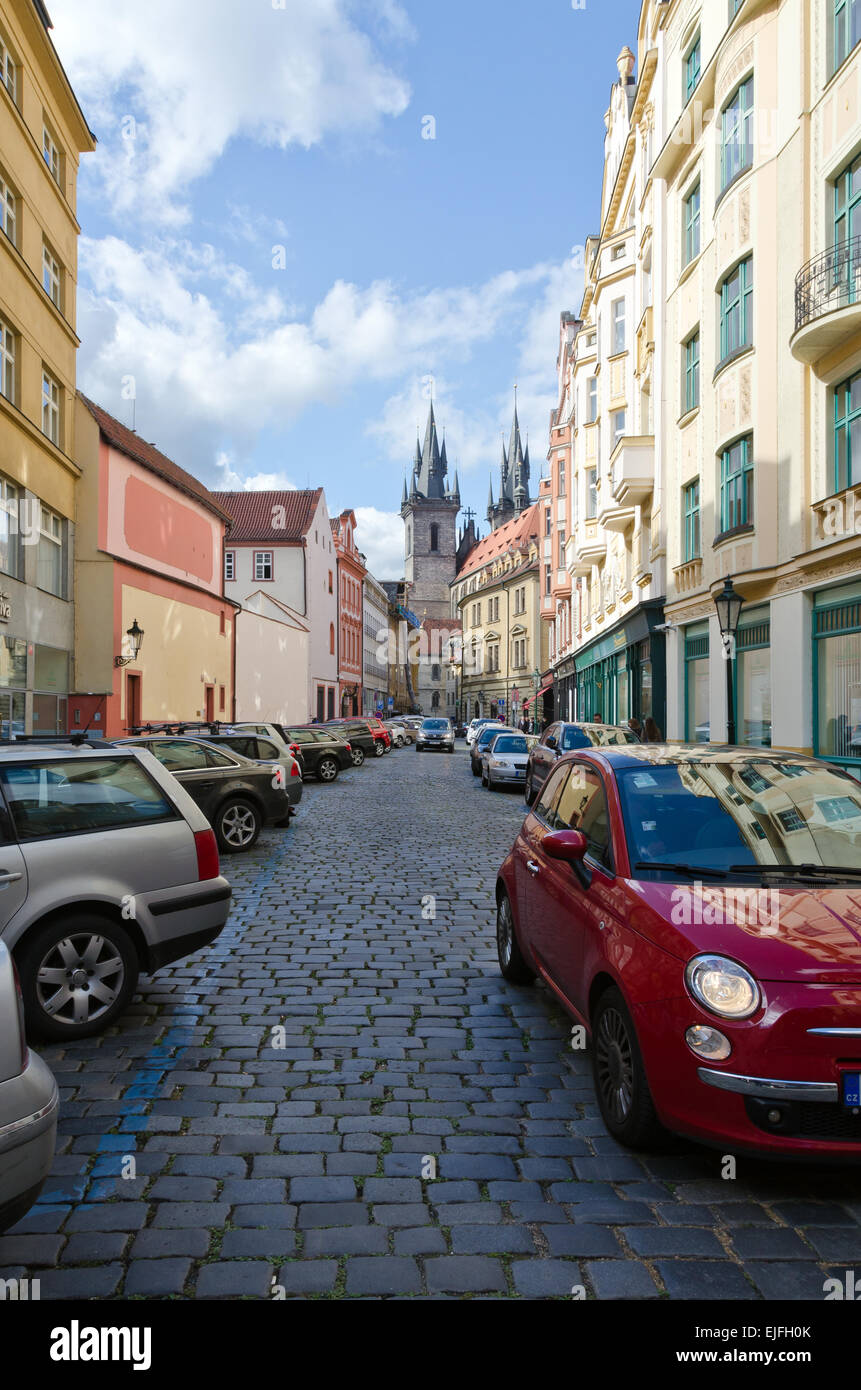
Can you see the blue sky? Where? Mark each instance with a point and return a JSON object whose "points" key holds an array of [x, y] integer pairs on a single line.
{"points": [[279, 267]]}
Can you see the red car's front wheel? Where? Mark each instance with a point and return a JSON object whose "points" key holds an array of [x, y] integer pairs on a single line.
{"points": [[621, 1086]]}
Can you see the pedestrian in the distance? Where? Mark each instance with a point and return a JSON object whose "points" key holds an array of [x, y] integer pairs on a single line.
{"points": [[651, 732], [636, 728]]}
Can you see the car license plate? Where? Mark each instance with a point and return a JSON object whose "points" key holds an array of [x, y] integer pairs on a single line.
{"points": [[852, 1089], [520, 772]]}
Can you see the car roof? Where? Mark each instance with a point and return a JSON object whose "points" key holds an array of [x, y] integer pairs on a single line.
{"points": [[622, 755], [24, 752]]}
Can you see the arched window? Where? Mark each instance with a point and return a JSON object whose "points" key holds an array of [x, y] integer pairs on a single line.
{"points": [[435, 673], [434, 536], [409, 540], [332, 638], [435, 700]]}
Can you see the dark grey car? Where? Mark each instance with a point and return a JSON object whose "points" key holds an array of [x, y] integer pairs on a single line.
{"points": [[562, 738], [237, 796]]}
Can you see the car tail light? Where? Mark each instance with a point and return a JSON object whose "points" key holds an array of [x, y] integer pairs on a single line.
{"points": [[294, 749], [19, 999], [348, 747], [207, 854], [294, 771]]}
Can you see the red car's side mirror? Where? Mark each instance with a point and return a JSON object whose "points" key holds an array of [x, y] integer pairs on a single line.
{"points": [[551, 742], [570, 845]]}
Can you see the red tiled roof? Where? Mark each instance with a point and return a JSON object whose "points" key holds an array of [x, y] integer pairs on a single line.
{"points": [[255, 517], [514, 535], [148, 456]]}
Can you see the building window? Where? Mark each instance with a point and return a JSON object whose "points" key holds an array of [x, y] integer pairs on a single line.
{"points": [[619, 309], [10, 531], [50, 408], [736, 310], [7, 362], [691, 507], [332, 639], [753, 679], [560, 478], [8, 72], [51, 560], [263, 567], [692, 372], [591, 493], [230, 565], [592, 400], [435, 673], [548, 580], [734, 7], [330, 582], [847, 433], [409, 540], [222, 698], [548, 521], [846, 30], [692, 224], [736, 485], [51, 154], [692, 68], [8, 212], [51, 276], [434, 536], [847, 207], [619, 426], [837, 674], [737, 134], [561, 560]]}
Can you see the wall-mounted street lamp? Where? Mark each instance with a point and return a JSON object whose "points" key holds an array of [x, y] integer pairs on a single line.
{"points": [[135, 635], [729, 604]]}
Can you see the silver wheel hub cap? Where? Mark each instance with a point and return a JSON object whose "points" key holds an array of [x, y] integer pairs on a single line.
{"points": [[80, 978]]}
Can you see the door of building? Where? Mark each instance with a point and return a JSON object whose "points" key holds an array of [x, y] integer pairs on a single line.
{"points": [[133, 701], [210, 704]]}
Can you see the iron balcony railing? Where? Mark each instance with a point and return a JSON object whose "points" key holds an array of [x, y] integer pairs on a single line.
{"points": [[832, 280]]}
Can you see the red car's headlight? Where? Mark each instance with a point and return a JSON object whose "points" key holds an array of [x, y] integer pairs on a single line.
{"points": [[722, 986]]}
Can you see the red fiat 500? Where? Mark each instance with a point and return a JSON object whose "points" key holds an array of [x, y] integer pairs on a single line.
{"points": [[698, 908]]}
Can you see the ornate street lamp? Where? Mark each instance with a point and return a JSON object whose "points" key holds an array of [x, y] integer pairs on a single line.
{"points": [[135, 635], [729, 604]]}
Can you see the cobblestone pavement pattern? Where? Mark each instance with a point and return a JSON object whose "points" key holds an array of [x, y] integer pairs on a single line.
{"points": [[303, 1168]]}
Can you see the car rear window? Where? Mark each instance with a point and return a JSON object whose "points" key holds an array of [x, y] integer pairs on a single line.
{"points": [[68, 798]]}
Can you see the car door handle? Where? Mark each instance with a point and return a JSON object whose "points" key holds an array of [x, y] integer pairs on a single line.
{"points": [[533, 867], [6, 876]]}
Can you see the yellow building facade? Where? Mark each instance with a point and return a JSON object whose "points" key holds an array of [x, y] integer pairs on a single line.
{"points": [[43, 133]]}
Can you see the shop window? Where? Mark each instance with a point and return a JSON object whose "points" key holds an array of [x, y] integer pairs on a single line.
{"points": [[847, 433]]}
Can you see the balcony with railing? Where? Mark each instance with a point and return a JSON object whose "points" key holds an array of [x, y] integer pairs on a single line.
{"points": [[827, 301]]}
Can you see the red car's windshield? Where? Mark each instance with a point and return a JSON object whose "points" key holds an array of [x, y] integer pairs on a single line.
{"points": [[740, 812]]}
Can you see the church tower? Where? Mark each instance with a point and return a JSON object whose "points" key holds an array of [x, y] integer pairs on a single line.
{"points": [[514, 495], [429, 509]]}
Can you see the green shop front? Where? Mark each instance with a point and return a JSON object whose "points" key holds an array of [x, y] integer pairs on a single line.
{"points": [[623, 674]]}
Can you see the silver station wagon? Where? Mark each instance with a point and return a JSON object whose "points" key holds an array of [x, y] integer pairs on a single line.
{"points": [[107, 869], [28, 1107]]}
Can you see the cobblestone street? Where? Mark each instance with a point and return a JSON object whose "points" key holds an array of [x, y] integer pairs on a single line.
{"points": [[299, 1160]]}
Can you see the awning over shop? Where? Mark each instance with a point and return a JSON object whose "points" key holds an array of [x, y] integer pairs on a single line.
{"points": [[542, 691]]}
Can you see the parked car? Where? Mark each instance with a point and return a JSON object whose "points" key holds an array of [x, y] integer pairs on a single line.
{"points": [[379, 730], [503, 761], [459, 729], [107, 868], [360, 737], [562, 738], [435, 733], [29, 1105], [320, 752], [237, 796], [262, 750], [484, 737], [476, 725], [696, 907], [400, 733]]}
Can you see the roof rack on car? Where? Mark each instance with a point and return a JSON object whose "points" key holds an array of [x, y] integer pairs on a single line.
{"points": [[76, 740], [181, 726]]}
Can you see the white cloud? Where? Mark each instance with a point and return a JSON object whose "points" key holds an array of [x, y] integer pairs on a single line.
{"points": [[380, 538], [195, 76], [217, 358]]}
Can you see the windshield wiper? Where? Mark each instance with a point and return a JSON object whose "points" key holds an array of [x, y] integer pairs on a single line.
{"points": [[798, 870], [692, 871]]}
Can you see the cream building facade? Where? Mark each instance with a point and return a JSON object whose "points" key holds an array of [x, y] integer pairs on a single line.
{"points": [[615, 553], [497, 599], [759, 143]]}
